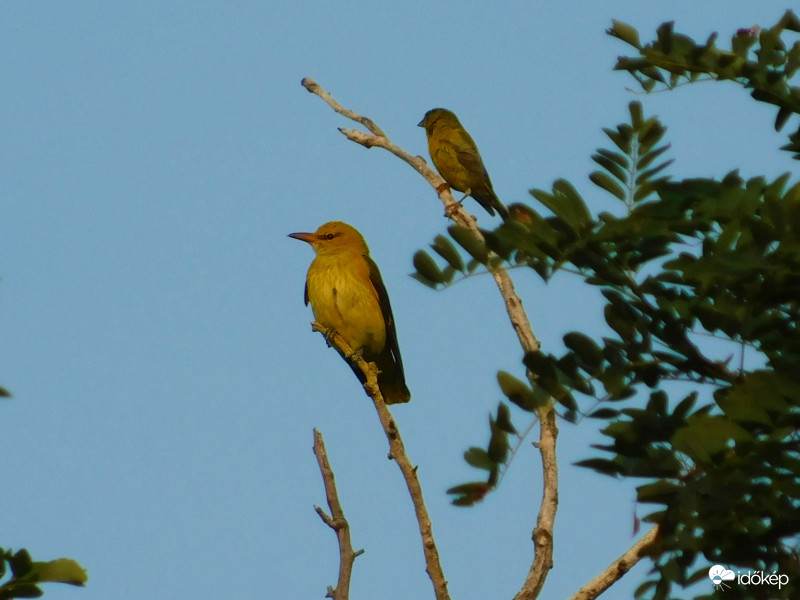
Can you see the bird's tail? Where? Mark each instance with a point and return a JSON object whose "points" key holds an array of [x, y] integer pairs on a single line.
{"points": [[391, 379], [489, 200]]}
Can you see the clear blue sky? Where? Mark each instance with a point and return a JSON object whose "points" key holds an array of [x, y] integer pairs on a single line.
{"points": [[153, 332]]}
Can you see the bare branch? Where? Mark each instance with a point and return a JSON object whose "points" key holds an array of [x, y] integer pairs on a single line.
{"points": [[397, 453], [543, 533], [335, 521], [617, 569], [313, 87]]}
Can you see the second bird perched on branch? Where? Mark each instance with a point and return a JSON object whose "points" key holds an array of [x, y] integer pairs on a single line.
{"points": [[347, 296], [455, 155]]}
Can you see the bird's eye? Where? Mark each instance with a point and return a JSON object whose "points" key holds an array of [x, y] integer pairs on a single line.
{"points": [[329, 236]]}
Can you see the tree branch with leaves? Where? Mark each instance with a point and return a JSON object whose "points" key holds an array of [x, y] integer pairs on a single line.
{"points": [[713, 436]]}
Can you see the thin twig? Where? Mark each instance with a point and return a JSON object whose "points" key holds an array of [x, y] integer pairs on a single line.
{"points": [[397, 453], [313, 87], [336, 521], [617, 569]]}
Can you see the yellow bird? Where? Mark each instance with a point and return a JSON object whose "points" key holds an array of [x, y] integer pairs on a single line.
{"points": [[347, 295], [457, 159]]}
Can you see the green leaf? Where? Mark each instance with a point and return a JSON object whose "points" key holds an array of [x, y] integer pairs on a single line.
{"points": [[658, 403], [467, 239], [620, 323], [790, 21], [517, 391], [601, 465], [752, 400], [661, 491], [444, 248], [684, 407], [619, 172], [585, 347], [645, 175], [498, 244], [469, 493], [621, 137], [503, 419], [705, 435], [467, 488], [479, 458], [645, 158], [567, 401], [604, 413], [605, 182], [783, 115], [538, 226], [651, 133], [637, 116], [625, 32], [665, 34], [498, 443], [569, 205], [541, 365], [20, 563], [427, 268], [61, 570], [20, 590]]}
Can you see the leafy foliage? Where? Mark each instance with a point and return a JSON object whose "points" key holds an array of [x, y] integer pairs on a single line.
{"points": [[26, 574], [492, 459], [761, 60], [714, 435]]}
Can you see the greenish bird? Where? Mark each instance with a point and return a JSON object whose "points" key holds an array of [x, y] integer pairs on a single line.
{"points": [[455, 155], [347, 296]]}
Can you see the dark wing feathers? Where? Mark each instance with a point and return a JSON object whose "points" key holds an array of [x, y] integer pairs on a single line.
{"points": [[386, 310]]}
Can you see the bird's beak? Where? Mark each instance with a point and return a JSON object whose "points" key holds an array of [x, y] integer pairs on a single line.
{"points": [[421, 123], [305, 237]]}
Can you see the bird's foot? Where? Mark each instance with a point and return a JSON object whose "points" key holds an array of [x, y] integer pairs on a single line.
{"points": [[355, 355], [455, 207], [328, 333]]}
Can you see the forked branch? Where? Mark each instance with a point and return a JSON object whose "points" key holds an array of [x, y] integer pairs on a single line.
{"points": [[336, 521], [397, 453]]}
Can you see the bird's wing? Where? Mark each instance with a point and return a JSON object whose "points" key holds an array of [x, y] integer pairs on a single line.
{"points": [[466, 152], [386, 311], [443, 151], [305, 293], [471, 160]]}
